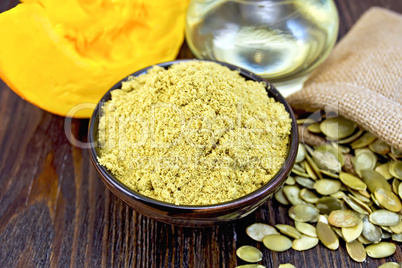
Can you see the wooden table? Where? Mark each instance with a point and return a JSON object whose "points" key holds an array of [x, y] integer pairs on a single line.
{"points": [[55, 211]]}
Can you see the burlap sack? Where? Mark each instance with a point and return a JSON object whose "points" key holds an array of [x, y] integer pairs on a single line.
{"points": [[362, 79]]}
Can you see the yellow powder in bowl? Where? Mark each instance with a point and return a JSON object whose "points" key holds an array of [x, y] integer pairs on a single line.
{"points": [[196, 133]]}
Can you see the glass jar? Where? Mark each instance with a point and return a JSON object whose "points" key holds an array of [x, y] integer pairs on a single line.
{"points": [[280, 40]]}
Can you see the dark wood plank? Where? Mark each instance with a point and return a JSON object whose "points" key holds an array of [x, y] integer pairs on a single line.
{"points": [[55, 212]]}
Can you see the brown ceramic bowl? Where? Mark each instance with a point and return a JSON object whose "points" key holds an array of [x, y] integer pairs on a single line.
{"points": [[195, 216]]}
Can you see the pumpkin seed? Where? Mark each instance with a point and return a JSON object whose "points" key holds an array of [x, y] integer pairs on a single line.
{"points": [[301, 153], [364, 241], [314, 128], [388, 200], [276, 242], [379, 147], [249, 254], [338, 195], [330, 174], [304, 243], [327, 186], [286, 265], [352, 233], [305, 182], [385, 235], [354, 205], [397, 153], [356, 251], [395, 169], [292, 194], [310, 170], [352, 181], [327, 204], [360, 197], [371, 232], [397, 229], [306, 121], [326, 234], [334, 151], [351, 138], [397, 237], [384, 170], [327, 161], [338, 231], [314, 166], [290, 181], [375, 180], [361, 204], [299, 168], [400, 190], [386, 229], [303, 213], [300, 173], [342, 149], [364, 159], [363, 141], [390, 265], [306, 229], [375, 201], [384, 218], [253, 265], [337, 128], [281, 198], [395, 185], [381, 250], [308, 196], [343, 218], [257, 231], [288, 230]]}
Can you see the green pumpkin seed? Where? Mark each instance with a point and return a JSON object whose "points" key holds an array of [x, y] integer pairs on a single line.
{"points": [[360, 197], [310, 171], [352, 182], [364, 241], [281, 198], [306, 229], [300, 173], [338, 195], [314, 128], [253, 265], [379, 147], [314, 166], [326, 148], [288, 230], [343, 218], [381, 250], [342, 149], [304, 243], [337, 128], [395, 169], [305, 182], [385, 235], [356, 251], [338, 231], [308, 196], [397, 237], [352, 233], [277, 242], [375, 180], [352, 138], [354, 205], [327, 186], [326, 234], [361, 204], [388, 200], [330, 174], [301, 153], [257, 231], [386, 229], [303, 213], [384, 218], [290, 181], [364, 159], [363, 141], [292, 194], [249, 254], [327, 204], [299, 168], [371, 232], [397, 229], [327, 161], [395, 185], [384, 170], [286, 265], [390, 265], [396, 153]]}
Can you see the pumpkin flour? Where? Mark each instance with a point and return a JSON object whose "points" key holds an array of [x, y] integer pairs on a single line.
{"points": [[194, 134]]}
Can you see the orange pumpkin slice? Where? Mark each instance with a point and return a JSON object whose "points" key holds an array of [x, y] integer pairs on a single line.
{"points": [[63, 55]]}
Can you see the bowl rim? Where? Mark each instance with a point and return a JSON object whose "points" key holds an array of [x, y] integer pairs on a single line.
{"points": [[269, 188]]}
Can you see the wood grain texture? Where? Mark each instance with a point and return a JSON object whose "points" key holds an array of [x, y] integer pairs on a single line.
{"points": [[55, 211]]}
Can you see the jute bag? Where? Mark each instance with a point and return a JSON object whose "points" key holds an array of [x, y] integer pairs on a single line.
{"points": [[362, 79]]}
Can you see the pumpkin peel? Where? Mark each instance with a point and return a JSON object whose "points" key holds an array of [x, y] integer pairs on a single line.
{"points": [[58, 54]]}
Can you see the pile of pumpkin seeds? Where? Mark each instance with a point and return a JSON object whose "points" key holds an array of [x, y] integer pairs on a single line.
{"points": [[345, 184]]}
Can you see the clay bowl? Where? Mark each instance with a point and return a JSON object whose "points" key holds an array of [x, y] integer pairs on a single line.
{"points": [[195, 216]]}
